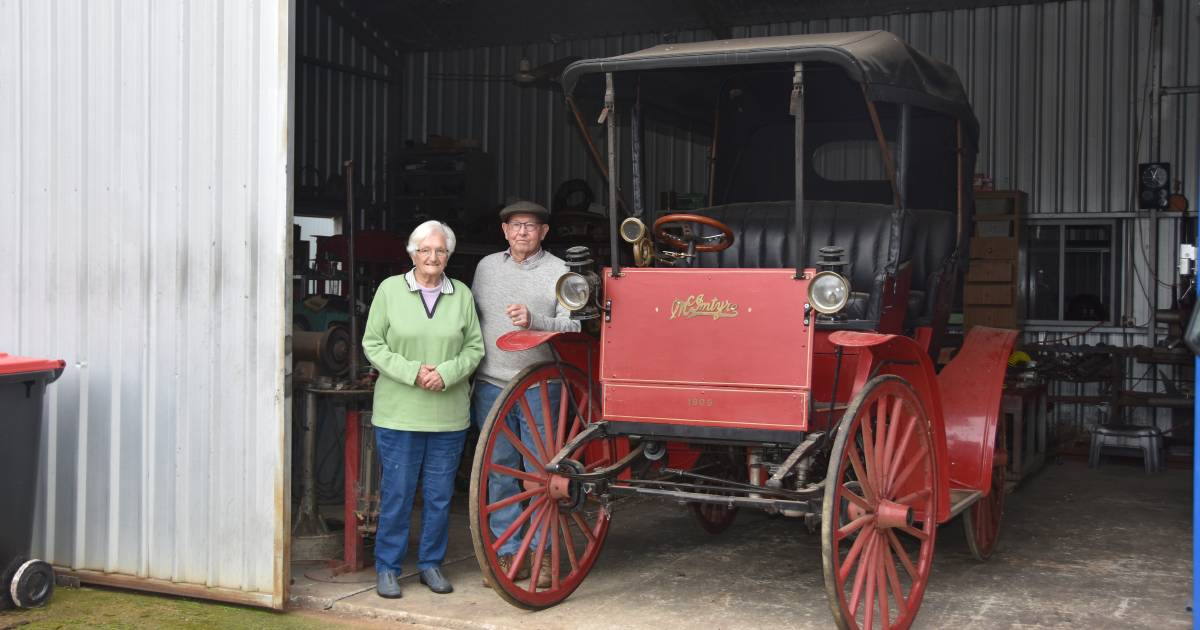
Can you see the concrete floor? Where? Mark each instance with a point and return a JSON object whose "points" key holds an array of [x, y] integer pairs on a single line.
{"points": [[1079, 548]]}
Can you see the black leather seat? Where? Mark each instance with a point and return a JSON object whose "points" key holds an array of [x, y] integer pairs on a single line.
{"points": [[763, 239], [929, 246]]}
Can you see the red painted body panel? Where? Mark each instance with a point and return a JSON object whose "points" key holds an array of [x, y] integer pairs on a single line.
{"points": [[924, 336], [779, 409], [711, 347], [825, 366], [971, 386], [899, 355]]}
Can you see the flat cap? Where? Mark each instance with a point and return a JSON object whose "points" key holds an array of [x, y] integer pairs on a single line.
{"points": [[525, 207]]}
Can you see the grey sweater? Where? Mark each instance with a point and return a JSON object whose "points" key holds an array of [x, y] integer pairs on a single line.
{"points": [[500, 281]]}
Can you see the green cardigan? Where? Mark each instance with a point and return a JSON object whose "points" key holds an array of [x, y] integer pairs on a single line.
{"points": [[400, 336]]}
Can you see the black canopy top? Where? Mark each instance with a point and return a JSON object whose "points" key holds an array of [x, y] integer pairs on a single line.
{"points": [[887, 67]]}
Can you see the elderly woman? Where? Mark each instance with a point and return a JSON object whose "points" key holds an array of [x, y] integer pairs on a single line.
{"points": [[423, 336]]}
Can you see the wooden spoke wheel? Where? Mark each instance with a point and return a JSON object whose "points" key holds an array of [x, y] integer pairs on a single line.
{"points": [[981, 521], [712, 517], [879, 519], [554, 522]]}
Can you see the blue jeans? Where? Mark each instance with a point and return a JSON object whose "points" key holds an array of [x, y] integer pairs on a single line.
{"points": [[505, 454], [405, 456]]}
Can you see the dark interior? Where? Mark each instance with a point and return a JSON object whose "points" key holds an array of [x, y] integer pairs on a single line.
{"points": [[755, 175], [748, 108]]}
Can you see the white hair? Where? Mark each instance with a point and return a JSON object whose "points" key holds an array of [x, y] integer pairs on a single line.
{"points": [[425, 229]]}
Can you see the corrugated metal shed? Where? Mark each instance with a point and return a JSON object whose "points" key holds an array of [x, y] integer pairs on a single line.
{"points": [[145, 221], [144, 205]]}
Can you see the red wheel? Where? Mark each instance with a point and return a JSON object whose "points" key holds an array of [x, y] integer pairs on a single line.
{"points": [[879, 519], [981, 521], [558, 523], [712, 517]]}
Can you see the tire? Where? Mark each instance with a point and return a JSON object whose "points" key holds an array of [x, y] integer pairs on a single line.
{"points": [[32, 585]]}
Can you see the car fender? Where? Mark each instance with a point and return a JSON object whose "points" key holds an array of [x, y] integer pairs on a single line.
{"points": [[971, 387], [575, 348], [900, 355]]}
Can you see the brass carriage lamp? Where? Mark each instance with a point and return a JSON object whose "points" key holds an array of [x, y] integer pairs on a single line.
{"points": [[576, 287], [829, 290]]}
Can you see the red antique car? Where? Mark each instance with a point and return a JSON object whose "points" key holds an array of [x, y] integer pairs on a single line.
{"points": [[774, 349]]}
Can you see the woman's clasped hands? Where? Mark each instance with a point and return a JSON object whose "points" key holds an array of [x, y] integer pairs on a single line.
{"points": [[428, 378]]}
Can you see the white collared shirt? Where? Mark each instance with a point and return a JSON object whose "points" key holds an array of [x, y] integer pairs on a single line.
{"points": [[534, 257], [413, 285]]}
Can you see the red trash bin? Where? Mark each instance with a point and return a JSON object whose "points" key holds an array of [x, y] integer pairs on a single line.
{"points": [[24, 582]]}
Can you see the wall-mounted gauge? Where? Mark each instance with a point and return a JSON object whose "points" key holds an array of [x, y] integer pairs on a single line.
{"points": [[1154, 185]]}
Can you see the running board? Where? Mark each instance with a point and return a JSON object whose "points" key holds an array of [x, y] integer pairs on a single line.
{"points": [[961, 500]]}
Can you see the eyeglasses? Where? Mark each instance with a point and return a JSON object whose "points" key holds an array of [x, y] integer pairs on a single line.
{"points": [[524, 226], [440, 253]]}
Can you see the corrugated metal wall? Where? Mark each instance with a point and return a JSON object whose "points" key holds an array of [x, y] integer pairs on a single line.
{"points": [[342, 106], [144, 225], [1060, 90], [529, 130]]}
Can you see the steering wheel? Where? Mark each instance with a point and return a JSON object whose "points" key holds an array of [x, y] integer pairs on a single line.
{"points": [[720, 242]]}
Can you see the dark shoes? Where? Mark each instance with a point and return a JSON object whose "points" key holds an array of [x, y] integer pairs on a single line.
{"points": [[505, 562], [433, 578], [387, 586], [545, 574]]}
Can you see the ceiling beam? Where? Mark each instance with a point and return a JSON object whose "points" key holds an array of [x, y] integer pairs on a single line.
{"points": [[447, 24]]}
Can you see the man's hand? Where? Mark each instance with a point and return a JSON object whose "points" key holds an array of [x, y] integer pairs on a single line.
{"points": [[519, 314], [428, 378]]}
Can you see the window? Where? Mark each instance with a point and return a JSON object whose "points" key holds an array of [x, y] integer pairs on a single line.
{"points": [[1071, 272], [851, 160]]}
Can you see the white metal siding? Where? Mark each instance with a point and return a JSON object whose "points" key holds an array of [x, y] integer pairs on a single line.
{"points": [[144, 225]]}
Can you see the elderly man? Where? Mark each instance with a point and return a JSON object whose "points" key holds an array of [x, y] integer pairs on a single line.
{"points": [[514, 290]]}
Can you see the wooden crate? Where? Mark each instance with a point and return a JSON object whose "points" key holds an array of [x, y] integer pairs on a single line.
{"points": [[994, 248], [998, 294], [990, 297], [982, 270], [993, 316]]}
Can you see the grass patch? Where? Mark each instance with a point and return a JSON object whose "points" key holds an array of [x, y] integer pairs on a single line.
{"points": [[103, 608]]}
